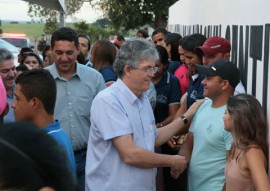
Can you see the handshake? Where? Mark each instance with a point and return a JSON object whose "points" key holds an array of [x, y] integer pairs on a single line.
{"points": [[178, 166]]}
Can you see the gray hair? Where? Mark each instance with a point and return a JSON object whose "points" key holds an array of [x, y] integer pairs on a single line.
{"points": [[5, 55], [132, 53]]}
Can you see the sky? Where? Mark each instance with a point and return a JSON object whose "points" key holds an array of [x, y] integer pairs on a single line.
{"points": [[17, 10]]}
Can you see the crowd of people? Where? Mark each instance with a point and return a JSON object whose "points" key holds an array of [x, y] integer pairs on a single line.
{"points": [[160, 112]]}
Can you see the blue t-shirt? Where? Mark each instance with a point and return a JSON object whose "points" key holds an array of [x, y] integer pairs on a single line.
{"points": [[168, 92], [195, 90], [211, 141], [61, 137], [108, 74]]}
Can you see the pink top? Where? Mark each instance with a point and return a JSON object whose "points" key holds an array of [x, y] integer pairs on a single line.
{"points": [[182, 74], [3, 97], [237, 179]]}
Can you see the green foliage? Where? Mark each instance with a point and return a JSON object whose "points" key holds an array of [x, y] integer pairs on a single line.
{"points": [[97, 33], [132, 14], [94, 32], [81, 27], [51, 17], [31, 30], [102, 23]]}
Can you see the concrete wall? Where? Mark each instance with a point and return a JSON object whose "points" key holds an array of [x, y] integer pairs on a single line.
{"points": [[246, 23]]}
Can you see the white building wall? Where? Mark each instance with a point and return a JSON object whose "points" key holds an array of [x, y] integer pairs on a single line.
{"points": [[215, 17]]}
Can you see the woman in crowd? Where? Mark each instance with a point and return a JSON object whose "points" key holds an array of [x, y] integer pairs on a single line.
{"points": [[182, 72], [246, 169], [103, 55], [171, 44], [32, 60], [167, 103]]}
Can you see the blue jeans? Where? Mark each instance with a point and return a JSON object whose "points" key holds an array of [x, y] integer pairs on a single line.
{"points": [[80, 159]]}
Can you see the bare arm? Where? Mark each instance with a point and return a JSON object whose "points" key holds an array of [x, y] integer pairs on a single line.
{"points": [[134, 155], [172, 110], [183, 106], [227, 157], [166, 132], [185, 150], [256, 163]]}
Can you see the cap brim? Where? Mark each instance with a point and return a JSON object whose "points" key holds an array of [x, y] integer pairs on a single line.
{"points": [[201, 69], [206, 50]]}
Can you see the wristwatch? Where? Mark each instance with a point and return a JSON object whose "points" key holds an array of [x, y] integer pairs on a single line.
{"points": [[184, 119]]}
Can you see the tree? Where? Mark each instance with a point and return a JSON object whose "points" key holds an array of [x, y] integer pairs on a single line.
{"points": [[81, 27], [132, 14], [103, 23], [51, 17]]}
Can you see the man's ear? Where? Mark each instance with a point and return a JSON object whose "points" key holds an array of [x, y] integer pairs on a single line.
{"points": [[35, 103], [127, 70], [227, 56], [226, 84]]}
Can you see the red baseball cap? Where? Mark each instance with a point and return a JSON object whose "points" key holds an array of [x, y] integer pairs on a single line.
{"points": [[214, 45]]}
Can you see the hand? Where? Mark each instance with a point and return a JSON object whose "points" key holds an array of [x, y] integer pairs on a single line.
{"points": [[179, 165], [193, 108], [28, 66], [173, 144]]}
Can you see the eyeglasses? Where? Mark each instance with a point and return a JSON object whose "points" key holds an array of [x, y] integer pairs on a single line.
{"points": [[151, 70]]}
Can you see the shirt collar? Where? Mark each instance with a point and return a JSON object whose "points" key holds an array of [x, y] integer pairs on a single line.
{"points": [[56, 75], [131, 97]]}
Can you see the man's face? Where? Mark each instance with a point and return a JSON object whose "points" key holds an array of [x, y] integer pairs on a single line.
{"points": [[212, 86], [209, 59], [22, 107], [83, 46], [140, 78], [158, 39], [191, 60], [65, 55], [8, 73]]}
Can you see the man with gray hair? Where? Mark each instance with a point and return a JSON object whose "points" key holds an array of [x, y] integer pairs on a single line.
{"points": [[123, 133], [8, 74]]}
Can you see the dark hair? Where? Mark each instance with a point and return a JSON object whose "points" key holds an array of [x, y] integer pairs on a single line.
{"points": [[190, 42], [163, 55], [21, 68], [25, 50], [250, 125], [159, 30], [173, 40], [104, 53], [47, 47], [87, 38], [120, 37], [34, 55], [31, 159], [143, 32], [41, 84], [80, 58], [65, 33]]}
